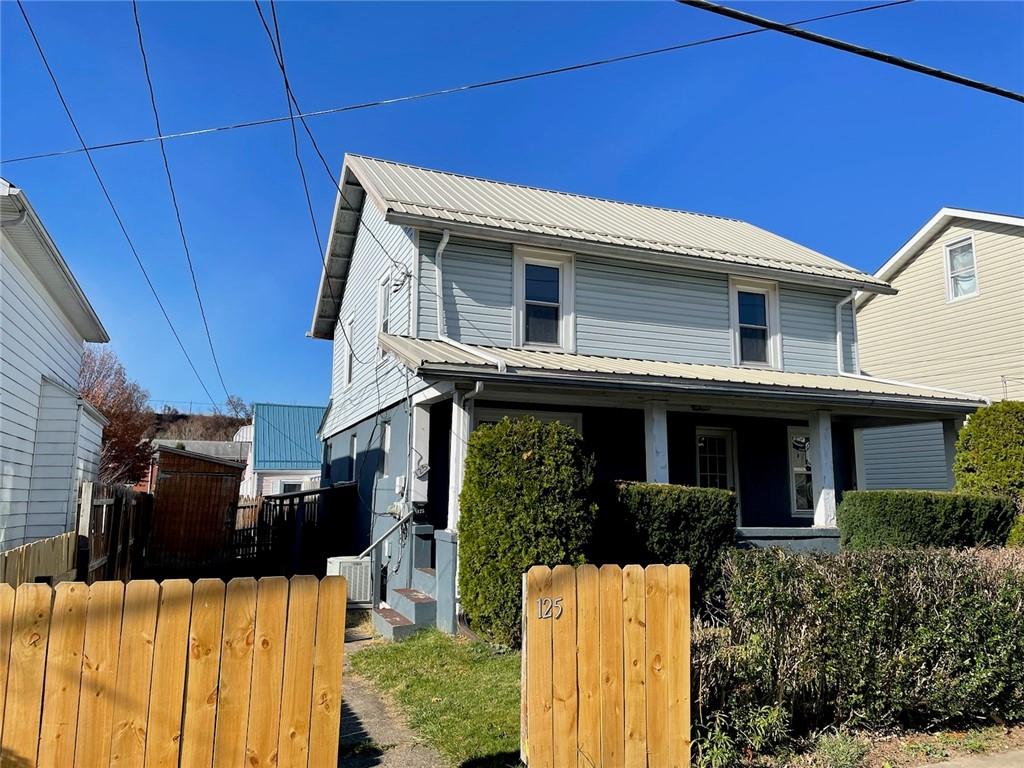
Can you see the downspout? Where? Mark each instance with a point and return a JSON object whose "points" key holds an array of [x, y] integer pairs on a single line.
{"points": [[839, 329], [442, 330]]}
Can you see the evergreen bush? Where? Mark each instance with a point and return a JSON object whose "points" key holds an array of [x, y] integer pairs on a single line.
{"points": [[990, 452], [527, 499]]}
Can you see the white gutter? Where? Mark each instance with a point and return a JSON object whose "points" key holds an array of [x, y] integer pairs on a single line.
{"points": [[442, 333], [957, 392], [839, 329]]}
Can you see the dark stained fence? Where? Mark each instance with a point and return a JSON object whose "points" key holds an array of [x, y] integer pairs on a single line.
{"points": [[111, 519], [293, 533]]}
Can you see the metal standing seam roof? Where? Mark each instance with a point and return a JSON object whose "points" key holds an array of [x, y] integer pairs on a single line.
{"points": [[285, 436], [426, 356], [422, 197]]}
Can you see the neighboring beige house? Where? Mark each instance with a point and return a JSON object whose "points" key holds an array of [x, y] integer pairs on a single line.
{"points": [[49, 437], [956, 323]]}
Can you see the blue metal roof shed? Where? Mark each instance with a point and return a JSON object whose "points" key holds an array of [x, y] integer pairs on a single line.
{"points": [[284, 436]]}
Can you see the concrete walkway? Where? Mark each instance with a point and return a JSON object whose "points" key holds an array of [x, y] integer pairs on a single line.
{"points": [[372, 733], [1012, 759]]}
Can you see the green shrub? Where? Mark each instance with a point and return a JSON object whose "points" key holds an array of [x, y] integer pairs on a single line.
{"points": [[661, 523], [889, 519], [838, 750], [1016, 537], [526, 500], [880, 638], [990, 452]]}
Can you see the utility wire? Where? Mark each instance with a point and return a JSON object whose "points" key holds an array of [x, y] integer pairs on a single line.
{"points": [[278, 48], [110, 201], [458, 88], [174, 198], [858, 50]]}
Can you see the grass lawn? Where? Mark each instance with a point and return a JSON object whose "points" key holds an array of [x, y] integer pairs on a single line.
{"points": [[461, 697]]}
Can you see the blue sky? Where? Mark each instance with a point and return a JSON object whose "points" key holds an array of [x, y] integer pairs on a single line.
{"points": [[845, 155]]}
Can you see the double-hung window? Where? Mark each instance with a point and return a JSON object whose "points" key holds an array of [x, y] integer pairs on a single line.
{"points": [[801, 486], [754, 308], [349, 362], [383, 309], [960, 269], [544, 301]]}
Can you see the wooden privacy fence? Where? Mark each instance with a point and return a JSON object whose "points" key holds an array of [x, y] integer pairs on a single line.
{"points": [[110, 523], [606, 667], [168, 674], [47, 558]]}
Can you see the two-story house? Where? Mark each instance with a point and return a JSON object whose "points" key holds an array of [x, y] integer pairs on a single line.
{"points": [[958, 321], [49, 436], [686, 348]]}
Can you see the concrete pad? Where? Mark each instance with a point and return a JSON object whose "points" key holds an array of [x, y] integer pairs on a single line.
{"points": [[1013, 759]]}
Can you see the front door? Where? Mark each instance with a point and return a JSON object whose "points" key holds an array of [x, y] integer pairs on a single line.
{"points": [[715, 458]]}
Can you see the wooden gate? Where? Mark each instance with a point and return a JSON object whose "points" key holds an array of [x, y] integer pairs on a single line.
{"points": [[606, 667], [170, 673]]}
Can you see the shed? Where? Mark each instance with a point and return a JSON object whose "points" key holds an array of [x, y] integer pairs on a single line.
{"points": [[195, 498]]}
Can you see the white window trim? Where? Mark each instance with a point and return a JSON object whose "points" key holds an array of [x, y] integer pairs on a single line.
{"points": [[771, 291], [792, 432], [383, 298], [353, 452], [283, 483], [349, 361], [730, 436], [950, 298], [385, 441], [573, 418], [566, 263]]}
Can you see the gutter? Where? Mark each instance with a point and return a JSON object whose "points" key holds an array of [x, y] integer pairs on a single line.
{"points": [[442, 334]]}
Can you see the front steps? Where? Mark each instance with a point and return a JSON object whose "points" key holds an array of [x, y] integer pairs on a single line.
{"points": [[391, 625], [411, 597]]}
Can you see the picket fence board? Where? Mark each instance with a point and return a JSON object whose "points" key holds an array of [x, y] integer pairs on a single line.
{"points": [[607, 666], [154, 675]]}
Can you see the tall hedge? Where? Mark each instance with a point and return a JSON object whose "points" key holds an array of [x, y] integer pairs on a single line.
{"points": [[526, 500], [907, 637], [661, 523], [893, 519], [990, 452]]}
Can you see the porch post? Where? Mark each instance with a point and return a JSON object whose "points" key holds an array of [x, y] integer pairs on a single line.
{"points": [[823, 479], [950, 431], [656, 442], [462, 425], [420, 452]]}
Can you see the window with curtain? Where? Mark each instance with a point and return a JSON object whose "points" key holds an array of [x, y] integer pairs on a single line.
{"points": [[963, 278]]}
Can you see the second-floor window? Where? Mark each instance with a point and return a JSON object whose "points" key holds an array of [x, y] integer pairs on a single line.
{"points": [[754, 321], [383, 309], [544, 299], [963, 278]]}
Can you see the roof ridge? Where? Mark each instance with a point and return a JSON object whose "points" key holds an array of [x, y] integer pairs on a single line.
{"points": [[288, 405], [535, 188]]}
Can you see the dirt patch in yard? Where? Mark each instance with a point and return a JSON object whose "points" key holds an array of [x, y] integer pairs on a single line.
{"points": [[907, 750]]}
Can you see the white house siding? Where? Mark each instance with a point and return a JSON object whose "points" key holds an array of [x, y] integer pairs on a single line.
{"points": [[36, 340], [87, 455], [376, 383], [53, 482], [920, 336], [907, 456], [270, 482]]}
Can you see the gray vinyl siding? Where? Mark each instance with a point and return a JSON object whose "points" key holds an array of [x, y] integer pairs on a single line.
{"points": [[808, 320], [376, 382], [36, 340], [907, 456], [627, 309], [477, 290], [849, 318]]}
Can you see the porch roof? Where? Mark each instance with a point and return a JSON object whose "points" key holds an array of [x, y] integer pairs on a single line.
{"points": [[432, 357]]}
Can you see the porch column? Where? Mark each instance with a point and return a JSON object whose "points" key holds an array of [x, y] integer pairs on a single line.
{"points": [[420, 458], [950, 432], [823, 481], [462, 425], [656, 442]]}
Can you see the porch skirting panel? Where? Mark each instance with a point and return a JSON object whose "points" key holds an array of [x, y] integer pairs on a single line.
{"points": [[793, 539]]}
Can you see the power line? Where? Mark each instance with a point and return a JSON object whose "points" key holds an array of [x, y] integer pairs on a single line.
{"points": [[858, 50], [174, 197], [454, 89], [278, 48], [110, 201]]}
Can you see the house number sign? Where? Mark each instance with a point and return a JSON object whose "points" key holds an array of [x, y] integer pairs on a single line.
{"points": [[549, 608]]}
